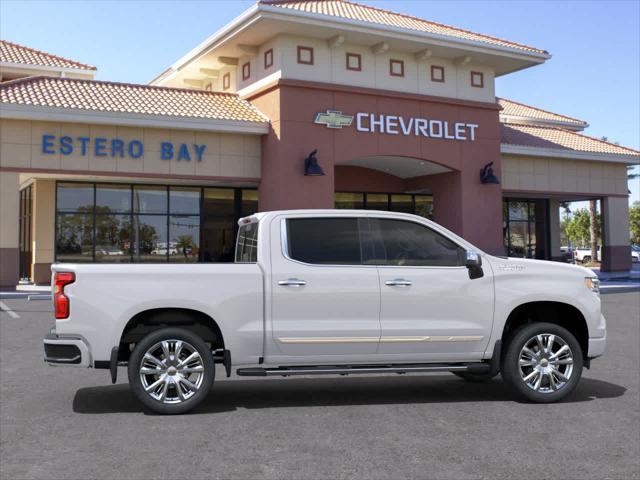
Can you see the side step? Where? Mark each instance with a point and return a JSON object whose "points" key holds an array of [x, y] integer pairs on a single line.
{"points": [[353, 369]]}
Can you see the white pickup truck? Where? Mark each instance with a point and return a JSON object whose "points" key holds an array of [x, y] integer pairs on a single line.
{"points": [[583, 255], [330, 292]]}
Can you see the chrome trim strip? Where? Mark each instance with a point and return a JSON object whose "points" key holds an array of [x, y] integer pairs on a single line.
{"points": [[313, 340], [390, 339]]}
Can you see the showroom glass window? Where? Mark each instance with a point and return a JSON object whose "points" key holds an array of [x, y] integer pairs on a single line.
{"points": [[421, 205], [526, 227], [121, 223]]}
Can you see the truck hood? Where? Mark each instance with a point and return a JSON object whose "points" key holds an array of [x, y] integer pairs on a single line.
{"points": [[524, 265]]}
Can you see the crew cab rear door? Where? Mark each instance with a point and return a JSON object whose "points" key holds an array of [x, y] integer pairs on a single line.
{"points": [[431, 310], [325, 297]]}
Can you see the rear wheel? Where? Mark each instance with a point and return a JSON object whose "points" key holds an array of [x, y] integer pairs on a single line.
{"points": [[543, 362], [586, 259], [171, 370]]}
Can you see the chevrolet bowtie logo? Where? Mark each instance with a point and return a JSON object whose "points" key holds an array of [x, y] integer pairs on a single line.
{"points": [[334, 119]]}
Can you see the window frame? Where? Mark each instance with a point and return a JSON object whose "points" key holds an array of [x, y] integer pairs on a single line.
{"points": [[226, 81], [357, 56], [479, 75], [439, 68], [364, 230], [378, 242], [302, 48], [246, 71], [393, 61], [268, 58]]}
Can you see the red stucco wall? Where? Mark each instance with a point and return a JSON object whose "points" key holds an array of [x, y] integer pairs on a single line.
{"points": [[461, 202]]}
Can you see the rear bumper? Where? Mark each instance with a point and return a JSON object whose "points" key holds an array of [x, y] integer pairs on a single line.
{"points": [[70, 351]]}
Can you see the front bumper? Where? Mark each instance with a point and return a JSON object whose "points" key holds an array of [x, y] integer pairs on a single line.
{"points": [[71, 351], [597, 346]]}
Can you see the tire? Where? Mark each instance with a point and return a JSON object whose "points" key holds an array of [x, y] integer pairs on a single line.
{"points": [[179, 387], [475, 377], [586, 259], [558, 377]]}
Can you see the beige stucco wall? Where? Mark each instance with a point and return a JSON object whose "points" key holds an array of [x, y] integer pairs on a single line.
{"points": [[533, 174], [9, 209], [226, 154], [43, 223], [330, 67]]}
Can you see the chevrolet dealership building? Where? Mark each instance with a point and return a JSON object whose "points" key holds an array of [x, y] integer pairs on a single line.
{"points": [[402, 112]]}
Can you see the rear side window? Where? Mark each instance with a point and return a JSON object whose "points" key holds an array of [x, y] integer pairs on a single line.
{"points": [[325, 241], [403, 243], [247, 247]]}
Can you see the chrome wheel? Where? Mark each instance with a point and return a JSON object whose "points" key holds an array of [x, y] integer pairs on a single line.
{"points": [[546, 363], [171, 371]]}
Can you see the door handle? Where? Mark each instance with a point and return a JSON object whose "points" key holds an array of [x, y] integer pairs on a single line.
{"points": [[292, 282], [398, 282]]}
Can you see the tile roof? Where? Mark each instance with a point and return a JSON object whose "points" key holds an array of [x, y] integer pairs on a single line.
{"points": [[516, 109], [559, 139], [14, 53], [354, 11], [127, 98]]}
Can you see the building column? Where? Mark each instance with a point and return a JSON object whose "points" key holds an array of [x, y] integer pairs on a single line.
{"points": [[44, 201], [554, 231], [616, 248], [9, 236], [465, 206]]}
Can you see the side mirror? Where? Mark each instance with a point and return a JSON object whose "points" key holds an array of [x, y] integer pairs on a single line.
{"points": [[473, 262]]}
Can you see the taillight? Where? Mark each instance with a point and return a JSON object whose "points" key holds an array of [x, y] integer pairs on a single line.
{"points": [[60, 300]]}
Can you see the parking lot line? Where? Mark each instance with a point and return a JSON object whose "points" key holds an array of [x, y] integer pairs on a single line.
{"points": [[4, 308]]}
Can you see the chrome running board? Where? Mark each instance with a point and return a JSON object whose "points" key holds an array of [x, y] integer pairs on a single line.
{"points": [[355, 369]]}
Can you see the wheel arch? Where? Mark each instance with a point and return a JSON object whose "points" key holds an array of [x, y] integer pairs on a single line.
{"points": [[152, 319], [559, 313]]}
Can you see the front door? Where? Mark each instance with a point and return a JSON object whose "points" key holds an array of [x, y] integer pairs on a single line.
{"points": [[325, 298], [430, 309]]}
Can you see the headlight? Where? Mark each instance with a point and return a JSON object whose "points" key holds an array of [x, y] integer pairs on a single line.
{"points": [[593, 284]]}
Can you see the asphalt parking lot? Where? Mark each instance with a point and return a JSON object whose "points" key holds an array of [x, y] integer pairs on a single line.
{"points": [[72, 423]]}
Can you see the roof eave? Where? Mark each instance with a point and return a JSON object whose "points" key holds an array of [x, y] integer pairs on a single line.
{"points": [[208, 44], [48, 68], [511, 149], [278, 11], [75, 115], [260, 10], [532, 121]]}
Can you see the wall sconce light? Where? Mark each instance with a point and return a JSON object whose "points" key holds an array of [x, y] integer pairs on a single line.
{"points": [[311, 167], [487, 176]]}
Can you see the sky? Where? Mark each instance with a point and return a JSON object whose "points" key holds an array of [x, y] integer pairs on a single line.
{"points": [[593, 75]]}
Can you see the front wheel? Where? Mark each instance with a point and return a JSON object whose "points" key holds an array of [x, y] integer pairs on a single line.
{"points": [[543, 362], [171, 370]]}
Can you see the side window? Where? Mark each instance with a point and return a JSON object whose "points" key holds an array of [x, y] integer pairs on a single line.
{"points": [[404, 243], [325, 241], [247, 247]]}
